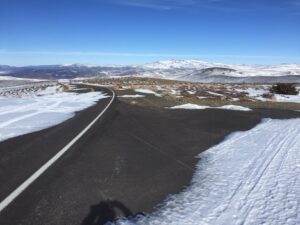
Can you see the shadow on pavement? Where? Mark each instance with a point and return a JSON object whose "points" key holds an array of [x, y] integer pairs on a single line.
{"points": [[106, 211]]}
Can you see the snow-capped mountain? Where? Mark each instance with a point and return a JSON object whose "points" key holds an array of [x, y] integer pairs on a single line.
{"points": [[188, 70], [180, 64], [226, 69]]}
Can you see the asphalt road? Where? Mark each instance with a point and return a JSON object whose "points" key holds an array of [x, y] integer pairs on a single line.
{"points": [[127, 163]]}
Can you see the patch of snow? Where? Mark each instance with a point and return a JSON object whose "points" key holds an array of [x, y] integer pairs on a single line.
{"points": [[234, 107], [190, 106], [173, 91], [195, 106], [147, 91], [254, 92], [287, 98], [201, 97], [252, 177], [131, 96], [257, 94], [49, 90], [24, 115], [214, 93], [191, 92]]}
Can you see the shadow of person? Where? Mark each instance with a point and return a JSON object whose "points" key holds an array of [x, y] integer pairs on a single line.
{"points": [[106, 211]]}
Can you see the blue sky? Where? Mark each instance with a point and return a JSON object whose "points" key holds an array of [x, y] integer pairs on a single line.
{"points": [[137, 31]]}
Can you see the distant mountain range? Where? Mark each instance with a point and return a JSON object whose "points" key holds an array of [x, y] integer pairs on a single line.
{"points": [[187, 70]]}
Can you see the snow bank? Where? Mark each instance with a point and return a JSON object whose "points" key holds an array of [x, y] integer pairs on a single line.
{"points": [[195, 106], [20, 116], [147, 91], [252, 177]]}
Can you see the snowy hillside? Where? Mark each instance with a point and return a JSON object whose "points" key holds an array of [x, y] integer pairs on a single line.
{"points": [[194, 70], [226, 69], [187, 70], [180, 64]]}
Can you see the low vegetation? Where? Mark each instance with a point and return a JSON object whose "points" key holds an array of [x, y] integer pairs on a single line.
{"points": [[285, 89]]}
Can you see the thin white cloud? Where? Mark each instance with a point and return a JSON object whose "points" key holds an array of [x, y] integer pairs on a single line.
{"points": [[157, 4], [145, 55], [219, 5]]}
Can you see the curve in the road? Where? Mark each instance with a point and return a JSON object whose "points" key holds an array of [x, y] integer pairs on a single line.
{"points": [[42, 169]]}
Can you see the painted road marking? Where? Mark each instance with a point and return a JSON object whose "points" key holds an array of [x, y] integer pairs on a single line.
{"points": [[41, 170]]}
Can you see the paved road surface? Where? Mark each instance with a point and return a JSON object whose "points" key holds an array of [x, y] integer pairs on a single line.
{"points": [[127, 163]]}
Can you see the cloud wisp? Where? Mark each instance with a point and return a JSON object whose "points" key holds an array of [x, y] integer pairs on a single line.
{"points": [[130, 54], [219, 5], [157, 4]]}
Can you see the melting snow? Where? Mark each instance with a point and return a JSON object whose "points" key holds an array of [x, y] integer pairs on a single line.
{"points": [[201, 97], [195, 106], [288, 98], [234, 107], [24, 115], [131, 96], [252, 177], [214, 93], [257, 93], [147, 91], [190, 106]]}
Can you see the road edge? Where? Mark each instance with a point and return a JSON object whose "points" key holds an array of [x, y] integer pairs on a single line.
{"points": [[14, 194]]}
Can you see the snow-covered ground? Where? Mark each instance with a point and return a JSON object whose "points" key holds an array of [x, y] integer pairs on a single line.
{"points": [[10, 78], [147, 91], [258, 94], [254, 92], [288, 98], [252, 177], [195, 106], [41, 110]]}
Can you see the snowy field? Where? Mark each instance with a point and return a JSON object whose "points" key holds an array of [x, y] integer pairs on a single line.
{"points": [[40, 110], [252, 177]]}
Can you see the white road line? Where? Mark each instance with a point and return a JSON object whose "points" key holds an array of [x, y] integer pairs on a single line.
{"points": [[41, 170]]}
